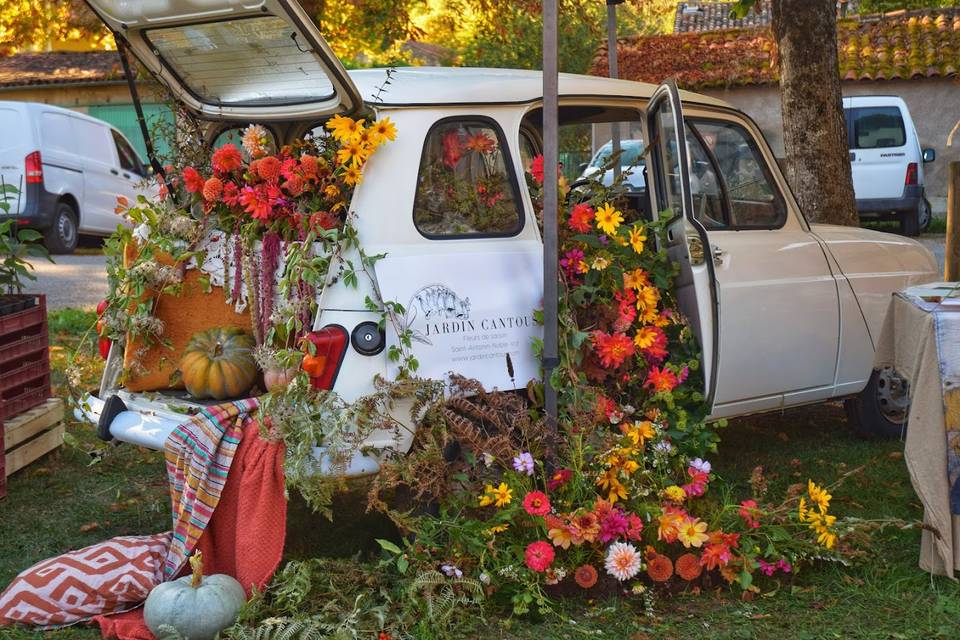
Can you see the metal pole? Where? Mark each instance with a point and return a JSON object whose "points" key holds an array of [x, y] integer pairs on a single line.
{"points": [[550, 207], [614, 73], [951, 266]]}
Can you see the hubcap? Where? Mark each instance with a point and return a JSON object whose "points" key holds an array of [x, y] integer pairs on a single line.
{"points": [[893, 396], [67, 230], [924, 218]]}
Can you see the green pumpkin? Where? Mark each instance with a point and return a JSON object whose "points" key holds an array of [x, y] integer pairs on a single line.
{"points": [[219, 364], [197, 606]]}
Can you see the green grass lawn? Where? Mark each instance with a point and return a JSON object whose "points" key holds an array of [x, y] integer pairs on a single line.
{"points": [[88, 492]]}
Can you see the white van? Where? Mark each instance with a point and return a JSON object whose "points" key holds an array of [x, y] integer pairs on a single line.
{"points": [[887, 162], [69, 169]]}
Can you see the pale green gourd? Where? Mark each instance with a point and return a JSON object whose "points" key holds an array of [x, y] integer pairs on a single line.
{"points": [[197, 606]]}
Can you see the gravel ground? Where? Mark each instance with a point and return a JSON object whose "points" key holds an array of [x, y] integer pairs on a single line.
{"points": [[73, 281], [81, 281]]}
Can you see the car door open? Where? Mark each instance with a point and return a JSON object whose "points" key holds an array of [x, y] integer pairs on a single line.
{"points": [[686, 239], [232, 60]]}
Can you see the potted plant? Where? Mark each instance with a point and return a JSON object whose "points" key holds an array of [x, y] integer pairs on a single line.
{"points": [[15, 248]]}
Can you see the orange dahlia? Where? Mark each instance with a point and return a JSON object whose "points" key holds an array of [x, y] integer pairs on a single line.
{"points": [[659, 568], [585, 576], [688, 567]]}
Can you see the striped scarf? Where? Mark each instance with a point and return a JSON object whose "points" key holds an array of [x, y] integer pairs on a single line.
{"points": [[198, 455]]}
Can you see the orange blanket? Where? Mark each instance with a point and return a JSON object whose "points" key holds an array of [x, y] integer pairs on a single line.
{"points": [[246, 534]]}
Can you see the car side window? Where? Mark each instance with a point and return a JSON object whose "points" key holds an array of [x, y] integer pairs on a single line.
{"points": [[709, 202], [128, 157], [466, 186], [753, 199]]}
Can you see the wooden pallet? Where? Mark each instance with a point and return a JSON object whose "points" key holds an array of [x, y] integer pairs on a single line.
{"points": [[32, 433]]}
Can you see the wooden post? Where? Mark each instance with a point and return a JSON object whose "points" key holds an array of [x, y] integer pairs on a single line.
{"points": [[951, 263]]}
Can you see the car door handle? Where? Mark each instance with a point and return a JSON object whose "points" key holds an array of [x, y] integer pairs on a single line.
{"points": [[853, 157], [114, 172], [126, 175]]}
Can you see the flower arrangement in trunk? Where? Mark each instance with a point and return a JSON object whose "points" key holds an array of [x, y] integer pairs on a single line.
{"points": [[279, 219]]}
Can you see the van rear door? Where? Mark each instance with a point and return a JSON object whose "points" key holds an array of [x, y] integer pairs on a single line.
{"points": [[14, 147], [236, 60], [879, 146]]}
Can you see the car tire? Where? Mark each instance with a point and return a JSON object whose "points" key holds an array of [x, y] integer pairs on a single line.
{"points": [[64, 233], [924, 214], [880, 410]]}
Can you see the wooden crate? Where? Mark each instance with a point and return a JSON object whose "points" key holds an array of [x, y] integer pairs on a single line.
{"points": [[31, 434]]}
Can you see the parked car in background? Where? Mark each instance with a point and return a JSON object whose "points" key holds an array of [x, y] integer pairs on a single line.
{"points": [[631, 165], [69, 168], [887, 162], [786, 312]]}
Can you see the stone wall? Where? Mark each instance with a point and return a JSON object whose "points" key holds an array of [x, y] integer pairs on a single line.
{"points": [[934, 105]]}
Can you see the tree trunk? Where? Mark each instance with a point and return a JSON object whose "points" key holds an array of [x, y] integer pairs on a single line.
{"points": [[814, 132]]}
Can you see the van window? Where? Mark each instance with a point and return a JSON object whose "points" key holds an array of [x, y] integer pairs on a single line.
{"points": [[128, 157], [56, 133], [466, 186], [753, 199], [94, 140], [876, 127]]}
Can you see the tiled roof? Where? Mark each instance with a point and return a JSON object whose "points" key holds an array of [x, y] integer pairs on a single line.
{"points": [[916, 44], [715, 16], [59, 68]]}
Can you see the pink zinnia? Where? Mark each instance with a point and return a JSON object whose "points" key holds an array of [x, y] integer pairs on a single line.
{"points": [[536, 503], [749, 511], [257, 202], [558, 479], [536, 169], [539, 556], [614, 525]]}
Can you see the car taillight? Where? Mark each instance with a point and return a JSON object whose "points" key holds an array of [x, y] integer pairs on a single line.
{"points": [[34, 168], [324, 355], [911, 174]]}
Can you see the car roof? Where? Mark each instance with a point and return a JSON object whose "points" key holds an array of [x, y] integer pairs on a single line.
{"points": [[42, 106], [422, 86]]}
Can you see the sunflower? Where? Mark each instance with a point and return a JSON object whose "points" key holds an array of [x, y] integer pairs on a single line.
{"points": [[343, 129], [352, 175], [354, 153], [383, 130], [637, 238]]}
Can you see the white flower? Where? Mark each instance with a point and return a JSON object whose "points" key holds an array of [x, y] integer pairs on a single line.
{"points": [[451, 571], [663, 446], [523, 463], [488, 459], [623, 561], [701, 465]]}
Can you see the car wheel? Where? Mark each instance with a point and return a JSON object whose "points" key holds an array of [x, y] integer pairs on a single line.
{"points": [[924, 214], [880, 411], [63, 234]]}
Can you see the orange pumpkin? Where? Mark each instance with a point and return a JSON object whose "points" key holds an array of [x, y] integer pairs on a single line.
{"points": [[218, 363]]}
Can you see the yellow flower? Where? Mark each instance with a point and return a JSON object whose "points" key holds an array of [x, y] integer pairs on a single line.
{"points": [[818, 496], [802, 512], [647, 298], [673, 493], [331, 191], [384, 130], [500, 528], [609, 482], [352, 175], [826, 537], [636, 279], [639, 432], [343, 129], [645, 337], [367, 138], [485, 500], [660, 321], [600, 263], [582, 267], [353, 152], [502, 495], [608, 219], [693, 533], [637, 238]]}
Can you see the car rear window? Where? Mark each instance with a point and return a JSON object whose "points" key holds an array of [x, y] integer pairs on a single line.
{"points": [[467, 186], [250, 61], [876, 127]]}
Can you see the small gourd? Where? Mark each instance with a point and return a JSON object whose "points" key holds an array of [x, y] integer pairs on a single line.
{"points": [[197, 606], [218, 363]]}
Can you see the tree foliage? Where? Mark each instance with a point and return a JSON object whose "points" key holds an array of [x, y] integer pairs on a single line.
{"points": [[33, 25]]}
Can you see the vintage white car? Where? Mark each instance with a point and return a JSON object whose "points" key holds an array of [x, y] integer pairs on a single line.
{"points": [[787, 312]]}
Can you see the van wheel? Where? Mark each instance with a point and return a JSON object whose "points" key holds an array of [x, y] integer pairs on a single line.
{"points": [[924, 214], [880, 411], [63, 234]]}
